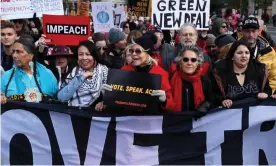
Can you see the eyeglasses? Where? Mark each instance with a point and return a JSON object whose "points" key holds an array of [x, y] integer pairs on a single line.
{"points": [[188, 59], [101, 48], [223, 26], [188, 34], [137, 51]]}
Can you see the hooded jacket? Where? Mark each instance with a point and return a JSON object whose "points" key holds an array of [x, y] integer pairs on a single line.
{"points": [[216, 26]]}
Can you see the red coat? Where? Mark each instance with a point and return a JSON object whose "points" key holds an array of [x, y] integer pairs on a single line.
{"points": [[165, 85]]}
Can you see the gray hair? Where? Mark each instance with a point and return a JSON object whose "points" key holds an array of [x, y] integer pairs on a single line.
{"points": [[185, 25], [195, 49]]}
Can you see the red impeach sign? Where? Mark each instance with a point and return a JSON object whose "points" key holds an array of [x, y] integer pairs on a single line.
{"points": [[66, 30]]}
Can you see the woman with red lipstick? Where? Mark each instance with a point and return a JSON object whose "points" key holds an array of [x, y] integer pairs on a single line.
{"points": [[239, 76]]}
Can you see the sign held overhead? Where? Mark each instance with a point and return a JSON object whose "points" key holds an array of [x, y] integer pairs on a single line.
{"points": [[171, 14]]}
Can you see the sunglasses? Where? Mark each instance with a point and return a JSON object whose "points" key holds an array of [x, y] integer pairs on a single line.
{"points": [[188, 59], [126, 26], [137, 51], [101, 48], [223, 26]]}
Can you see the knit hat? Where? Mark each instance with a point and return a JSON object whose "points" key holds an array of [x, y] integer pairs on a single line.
{"points": [[251, 22], [210, 39], [147, 41], [115, 35], [223, 40]]}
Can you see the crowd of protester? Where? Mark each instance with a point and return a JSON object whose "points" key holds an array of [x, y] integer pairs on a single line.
{"points": [[233, 60]]}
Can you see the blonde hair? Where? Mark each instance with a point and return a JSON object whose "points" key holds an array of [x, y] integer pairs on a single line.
{"points": [[224, 51]]}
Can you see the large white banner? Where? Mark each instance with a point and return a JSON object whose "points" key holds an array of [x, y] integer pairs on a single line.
{"points": [[17, 9], [171, 14], [102, 13], [243, 136]]}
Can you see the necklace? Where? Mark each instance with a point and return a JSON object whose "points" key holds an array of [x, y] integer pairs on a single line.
{"points": [[239, 74]]}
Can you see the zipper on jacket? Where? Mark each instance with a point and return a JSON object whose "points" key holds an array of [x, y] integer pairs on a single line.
{"points": [[187, 98]]}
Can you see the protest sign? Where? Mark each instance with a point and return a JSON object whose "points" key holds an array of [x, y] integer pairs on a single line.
{"points": [[66, 30], [120, 16], [20, 9], [132, 90], [171, 14], [83, 8], [102, 16], [52, 134], [140, 8]]}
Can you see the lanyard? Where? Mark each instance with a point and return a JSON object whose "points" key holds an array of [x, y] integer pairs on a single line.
{"points": [[256, 52]]}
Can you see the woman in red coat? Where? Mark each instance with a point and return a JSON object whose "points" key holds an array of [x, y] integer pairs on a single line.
{"points": [[143, 62], [190, 88]]}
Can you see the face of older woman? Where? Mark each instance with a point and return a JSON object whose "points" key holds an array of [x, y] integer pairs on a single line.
{"points": [[189, 36], [139, 57], [241, 56], [189, 62], [85, 59], [21, 57]]}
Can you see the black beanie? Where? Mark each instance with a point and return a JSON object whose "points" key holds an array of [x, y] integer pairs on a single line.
{"points": [[223, 40], [147, 41]]}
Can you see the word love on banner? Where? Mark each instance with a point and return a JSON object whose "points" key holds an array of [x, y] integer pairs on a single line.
{"points": [[171, 14], [132, 90], [36, 136], [20, 9], [66, 30]]}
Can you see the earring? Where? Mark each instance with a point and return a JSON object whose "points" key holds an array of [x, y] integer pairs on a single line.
{"points": [[31, 64]]}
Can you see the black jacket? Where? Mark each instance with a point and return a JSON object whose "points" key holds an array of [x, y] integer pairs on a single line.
{"points": [[221, 72], [114, 59], [188, 94]]}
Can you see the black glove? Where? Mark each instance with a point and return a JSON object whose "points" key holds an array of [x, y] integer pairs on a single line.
{"points": [[203, 109]]}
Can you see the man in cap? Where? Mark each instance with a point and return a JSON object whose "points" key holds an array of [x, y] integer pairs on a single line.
{"points": [[262, 51]]}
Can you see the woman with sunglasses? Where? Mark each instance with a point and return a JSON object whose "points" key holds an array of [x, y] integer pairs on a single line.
{"points": [[190, 88], [101, 44], [239, 76], [219, 27], [143, 62]]}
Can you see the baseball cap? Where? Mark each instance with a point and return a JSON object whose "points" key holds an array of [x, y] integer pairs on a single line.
{"points": [[251, 22]]}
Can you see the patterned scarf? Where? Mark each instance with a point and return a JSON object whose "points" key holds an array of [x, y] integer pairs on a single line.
{"points": [[90, 89]]}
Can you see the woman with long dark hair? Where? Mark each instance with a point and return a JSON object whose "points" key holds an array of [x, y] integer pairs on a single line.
{"points": [[82, 87], [239, 76], [28, 80]]}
